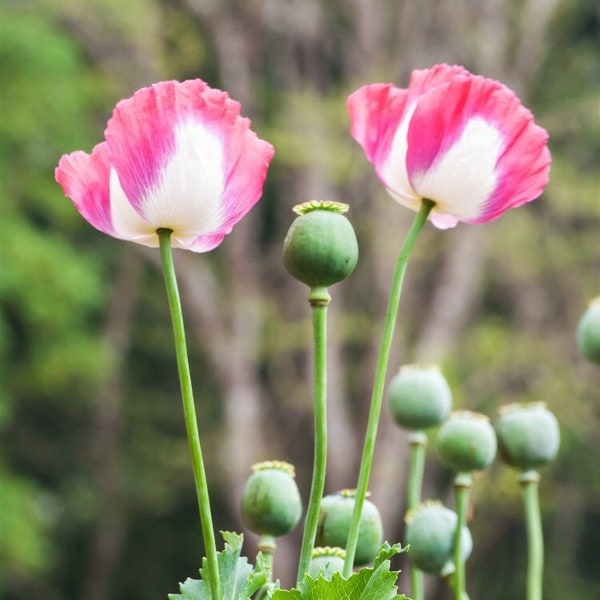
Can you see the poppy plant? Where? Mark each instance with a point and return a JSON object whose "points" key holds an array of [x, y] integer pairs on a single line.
{"points": [[176, 156], [179, 167], [463, 141]]}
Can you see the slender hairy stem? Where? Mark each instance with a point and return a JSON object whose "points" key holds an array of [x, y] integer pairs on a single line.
{"points": [[418, 442], [319, 299], [189, 412], [535, 539], [379, 381], [462, 488]]}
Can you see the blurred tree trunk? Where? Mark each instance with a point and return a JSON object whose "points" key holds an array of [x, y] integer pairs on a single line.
{"points": [[105, 435], [125, 49]]}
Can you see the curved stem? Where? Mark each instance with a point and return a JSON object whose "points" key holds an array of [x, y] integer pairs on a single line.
{"points": [[418, 442], [189, 412], [319, 299], [462, 488], [535, 538], [379, 380]]}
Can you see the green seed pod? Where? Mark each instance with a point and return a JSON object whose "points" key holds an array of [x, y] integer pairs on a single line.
{"points": [[419, 397], [271, 503], [466, 442], [334, 524], [326, 561], [528, 435], [588, 332], [430, 535], [320, 247]]}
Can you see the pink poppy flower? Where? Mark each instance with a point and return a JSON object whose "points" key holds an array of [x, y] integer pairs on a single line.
{"points": [[461, 140], [176, 156]]}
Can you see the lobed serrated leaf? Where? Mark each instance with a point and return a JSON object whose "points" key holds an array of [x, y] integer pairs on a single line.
{"points": [[371, 583], [386, 552], [239, 579]]}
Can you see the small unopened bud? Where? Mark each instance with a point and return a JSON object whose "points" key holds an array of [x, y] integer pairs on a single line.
{"points": [[335, 515], [430, 536], [588, 332], [419, 397], [528, 435], [466, 442], [271, 503]]}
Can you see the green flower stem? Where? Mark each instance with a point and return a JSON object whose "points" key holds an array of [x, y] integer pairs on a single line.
{"points": [[267, 545], [418, 443], [450, 582], [319, 298], [379, 380], [529, 481], [462, 488], [189, 412]]}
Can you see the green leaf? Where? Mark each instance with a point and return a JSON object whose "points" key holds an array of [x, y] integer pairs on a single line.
{"points": [[372, 583], [239, 579]]}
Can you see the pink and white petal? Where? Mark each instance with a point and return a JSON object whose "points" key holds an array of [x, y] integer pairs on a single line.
{"points": [[215, 176], [141, 134], [246, 161], [202, 243], [380, 115], [188, 185], [425, 80], [464, 141], [393, 172], [127, 223], [440, 117], [443, 220], [523, 168], [456, 139], [188, 196], [524, 164], [376, 112], [85, 179], [464, 177]]}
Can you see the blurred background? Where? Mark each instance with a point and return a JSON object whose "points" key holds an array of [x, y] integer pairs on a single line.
{"points": [[96, 490]]}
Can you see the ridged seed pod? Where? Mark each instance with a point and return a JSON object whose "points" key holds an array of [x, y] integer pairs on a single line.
{"points": [[588, 332], [320, 247], [335, 515], [271, 503], [419, 397], [466, 442], [528, 435], [430, 535], [326, 561]]}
